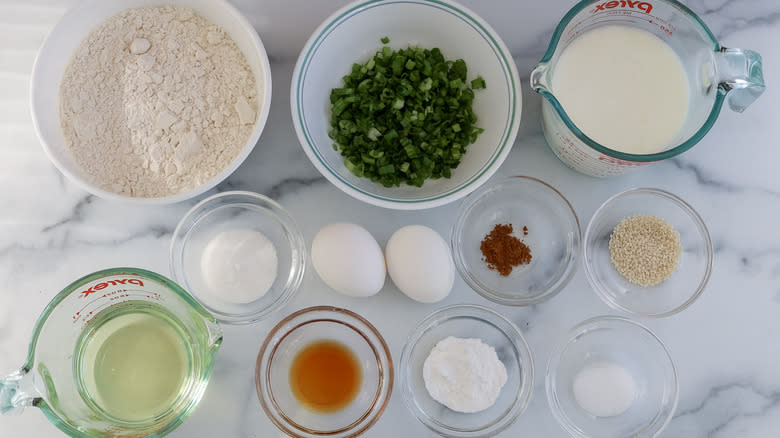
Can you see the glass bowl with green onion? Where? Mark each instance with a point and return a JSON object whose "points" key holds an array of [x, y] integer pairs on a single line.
{"points": [[406, 104]]}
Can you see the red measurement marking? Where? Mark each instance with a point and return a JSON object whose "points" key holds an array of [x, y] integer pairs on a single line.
{"points": [[107, 283], [640, 5]]}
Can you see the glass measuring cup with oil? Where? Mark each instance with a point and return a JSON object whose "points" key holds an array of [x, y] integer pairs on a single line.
{"points": [[120, 352]]}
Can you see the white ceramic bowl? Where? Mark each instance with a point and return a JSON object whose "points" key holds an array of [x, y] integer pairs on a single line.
{"points": [[56, 51], [352, 34]]}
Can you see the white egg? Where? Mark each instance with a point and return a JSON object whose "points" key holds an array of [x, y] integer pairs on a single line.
{"points": [[348, 259], [420, 264]]}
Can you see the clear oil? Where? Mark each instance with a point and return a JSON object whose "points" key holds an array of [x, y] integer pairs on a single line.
{"points": [[133, 364]]}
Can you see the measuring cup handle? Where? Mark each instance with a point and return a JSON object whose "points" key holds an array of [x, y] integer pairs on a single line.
{"points": [[17, 392], [740, 74]]}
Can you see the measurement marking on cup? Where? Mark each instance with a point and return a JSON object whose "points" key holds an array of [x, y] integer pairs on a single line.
{"points": [[112, 299]]}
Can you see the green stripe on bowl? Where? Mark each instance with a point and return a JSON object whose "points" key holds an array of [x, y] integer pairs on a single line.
{"points": [[473, 23]]}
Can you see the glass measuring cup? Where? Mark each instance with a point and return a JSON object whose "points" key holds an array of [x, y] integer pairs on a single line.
{"points": [[715, 73], [54, 378]]}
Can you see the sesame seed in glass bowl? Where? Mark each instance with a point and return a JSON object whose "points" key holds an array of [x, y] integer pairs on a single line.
{"points": [[659, 298]]}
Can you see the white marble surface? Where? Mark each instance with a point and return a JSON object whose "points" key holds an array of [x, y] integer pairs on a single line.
{"points": [[725, 346]]}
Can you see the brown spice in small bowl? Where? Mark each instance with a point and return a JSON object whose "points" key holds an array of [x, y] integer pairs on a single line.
{"points": [[502, 251]]}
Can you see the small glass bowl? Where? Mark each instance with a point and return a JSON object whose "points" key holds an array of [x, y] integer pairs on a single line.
{"points": [[670, 296], [630, 345], [553, 237], [467, 321], [238, 210], [296, 332]]}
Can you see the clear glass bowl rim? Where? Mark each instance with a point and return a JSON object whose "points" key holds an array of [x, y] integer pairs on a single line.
{"points": [[295, 239], [579, 330], [695, 217], [485, 315], [457, 250], [386, 376]]}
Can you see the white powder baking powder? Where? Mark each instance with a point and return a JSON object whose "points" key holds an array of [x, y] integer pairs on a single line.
{"points": [[239, 265], [604, 389], [465, 375], [156, 101]]}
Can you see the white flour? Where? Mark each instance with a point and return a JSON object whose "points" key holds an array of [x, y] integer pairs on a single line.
{"points": [[465, 375], [156, 101]]}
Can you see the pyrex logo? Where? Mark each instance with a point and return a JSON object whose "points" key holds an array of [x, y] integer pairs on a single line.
{"points": [[105, 284], [642, 6]]}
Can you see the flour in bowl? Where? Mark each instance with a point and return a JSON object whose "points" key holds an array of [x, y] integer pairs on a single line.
{"points": [[464, 374], [156, 101]]}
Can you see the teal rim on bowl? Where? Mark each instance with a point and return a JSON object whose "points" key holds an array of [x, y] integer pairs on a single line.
{"points": [[741, 79], [302, 118]]}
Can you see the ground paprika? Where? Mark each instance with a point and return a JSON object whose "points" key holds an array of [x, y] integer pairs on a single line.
{"points": [[502, 251]]}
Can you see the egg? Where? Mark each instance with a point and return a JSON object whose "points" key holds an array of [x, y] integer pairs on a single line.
{"points": [[420, 264], [348, 259]]}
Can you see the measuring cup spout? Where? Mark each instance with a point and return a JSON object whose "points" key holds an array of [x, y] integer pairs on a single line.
{"points": [[539, 78], [17, 392], [741, 75], [215, 334]]}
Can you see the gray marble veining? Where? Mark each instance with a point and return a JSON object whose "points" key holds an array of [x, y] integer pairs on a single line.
{"points": [[725, 346]]}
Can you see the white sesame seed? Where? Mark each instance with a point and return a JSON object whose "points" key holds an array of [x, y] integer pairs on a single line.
{"points": [[645, 249]]}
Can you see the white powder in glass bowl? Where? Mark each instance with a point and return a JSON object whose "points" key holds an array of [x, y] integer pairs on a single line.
{"points": [[156, 101], [465, 375]]}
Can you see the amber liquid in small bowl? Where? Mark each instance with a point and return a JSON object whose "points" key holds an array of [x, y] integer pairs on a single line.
{"points": [[325, 376]]}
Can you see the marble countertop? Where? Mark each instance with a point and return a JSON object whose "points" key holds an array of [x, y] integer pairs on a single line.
{"points": [[725, 346]]}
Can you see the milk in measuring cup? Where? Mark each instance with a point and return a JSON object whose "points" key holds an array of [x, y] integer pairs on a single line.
{"points": [[623, 87]]}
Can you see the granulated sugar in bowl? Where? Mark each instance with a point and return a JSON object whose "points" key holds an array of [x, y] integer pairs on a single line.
{"points": [[150, 104]]}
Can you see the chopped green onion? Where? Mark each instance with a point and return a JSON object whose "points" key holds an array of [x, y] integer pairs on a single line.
{"points": [[341, 105], [386, 170], [374, 133], [404, 116], [412, 151], [356, 170]]}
